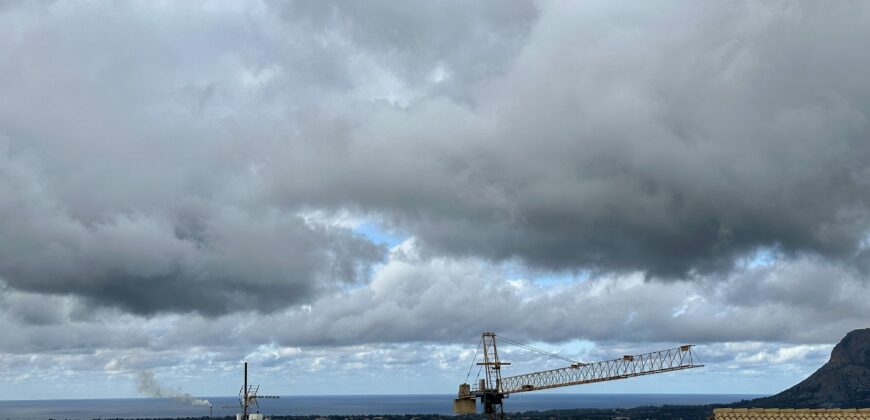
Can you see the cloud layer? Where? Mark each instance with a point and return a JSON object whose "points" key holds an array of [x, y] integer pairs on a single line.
{"points": [[758, 329], [182, 162], [645, 143], [208, 176]]}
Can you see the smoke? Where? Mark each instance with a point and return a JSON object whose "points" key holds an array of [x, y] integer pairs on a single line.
{"points": [[149, 386]]}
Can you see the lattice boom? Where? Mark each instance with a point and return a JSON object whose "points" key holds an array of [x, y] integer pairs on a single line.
{"points": [[629, 366]]}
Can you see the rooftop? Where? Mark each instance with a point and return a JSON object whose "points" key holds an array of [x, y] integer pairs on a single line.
{"points": [[791, 413]]}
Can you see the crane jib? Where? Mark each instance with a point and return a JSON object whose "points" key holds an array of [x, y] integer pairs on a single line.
{"points": [[629, 366]]}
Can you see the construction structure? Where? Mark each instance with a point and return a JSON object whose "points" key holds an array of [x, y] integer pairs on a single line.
{"points": [[492, 389], [248, 398]]}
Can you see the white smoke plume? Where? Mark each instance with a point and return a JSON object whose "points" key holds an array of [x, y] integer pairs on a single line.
{"points": [[149, 386]]}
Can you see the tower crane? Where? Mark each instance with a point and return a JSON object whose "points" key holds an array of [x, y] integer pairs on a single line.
{"points": [[493, 388]]}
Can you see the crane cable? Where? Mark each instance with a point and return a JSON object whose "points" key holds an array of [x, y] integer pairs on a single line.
{"points": [[536, 350], [479, 371], [694, 356], [473, 359]]}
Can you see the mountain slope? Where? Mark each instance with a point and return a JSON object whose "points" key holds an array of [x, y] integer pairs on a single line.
{"points": [[843, 382]]}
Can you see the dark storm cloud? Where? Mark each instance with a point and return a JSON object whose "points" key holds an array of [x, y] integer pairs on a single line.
{"points": [[671, 139], [163, 161], [228, 260], [132, 163], [36, 323], [416, 40], [117, 188]]}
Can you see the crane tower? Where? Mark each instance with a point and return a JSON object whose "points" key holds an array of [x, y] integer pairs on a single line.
{"points": [[492, 389]]}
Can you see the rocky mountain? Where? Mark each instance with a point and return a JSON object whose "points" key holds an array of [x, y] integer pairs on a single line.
{"points": [[843, 382]]}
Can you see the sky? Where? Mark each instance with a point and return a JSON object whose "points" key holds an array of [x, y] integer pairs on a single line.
{"points": [[346, 194]]}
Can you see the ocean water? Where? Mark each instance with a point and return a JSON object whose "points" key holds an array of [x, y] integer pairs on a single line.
{"points": [[334, 405]]}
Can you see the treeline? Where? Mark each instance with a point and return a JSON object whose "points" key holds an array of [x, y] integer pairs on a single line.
{"points": [[667, 412]]}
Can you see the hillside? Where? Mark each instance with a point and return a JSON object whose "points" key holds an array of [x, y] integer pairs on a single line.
{"points": [[842, 382]]}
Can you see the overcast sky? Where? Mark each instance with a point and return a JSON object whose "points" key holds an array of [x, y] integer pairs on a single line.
{"points": [[346, 194]]}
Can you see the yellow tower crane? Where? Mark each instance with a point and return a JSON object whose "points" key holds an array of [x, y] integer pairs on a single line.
{"points": [[493, 388]]}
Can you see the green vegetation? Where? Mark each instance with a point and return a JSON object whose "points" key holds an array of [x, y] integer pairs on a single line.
{"points": [[685, 412]]}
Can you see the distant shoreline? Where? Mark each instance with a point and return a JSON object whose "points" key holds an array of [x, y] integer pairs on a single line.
{"points": [[448, 396], [656, 412], [354, 406]]}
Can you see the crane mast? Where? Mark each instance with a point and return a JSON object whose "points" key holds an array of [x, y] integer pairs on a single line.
{"points": [[494, 388], [489, 388]]}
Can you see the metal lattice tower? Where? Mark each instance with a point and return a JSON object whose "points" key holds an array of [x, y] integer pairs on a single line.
{"points": [[491, 386]]}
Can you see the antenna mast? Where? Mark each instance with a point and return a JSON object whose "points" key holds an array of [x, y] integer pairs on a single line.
{"points": [[248, 397]]}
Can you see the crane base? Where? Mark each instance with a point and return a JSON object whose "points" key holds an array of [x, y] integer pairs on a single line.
{"points": [[492, 402], [465, 406]]}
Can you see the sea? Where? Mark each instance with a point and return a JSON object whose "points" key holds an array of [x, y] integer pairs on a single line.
{"points": [[334, 405]]}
